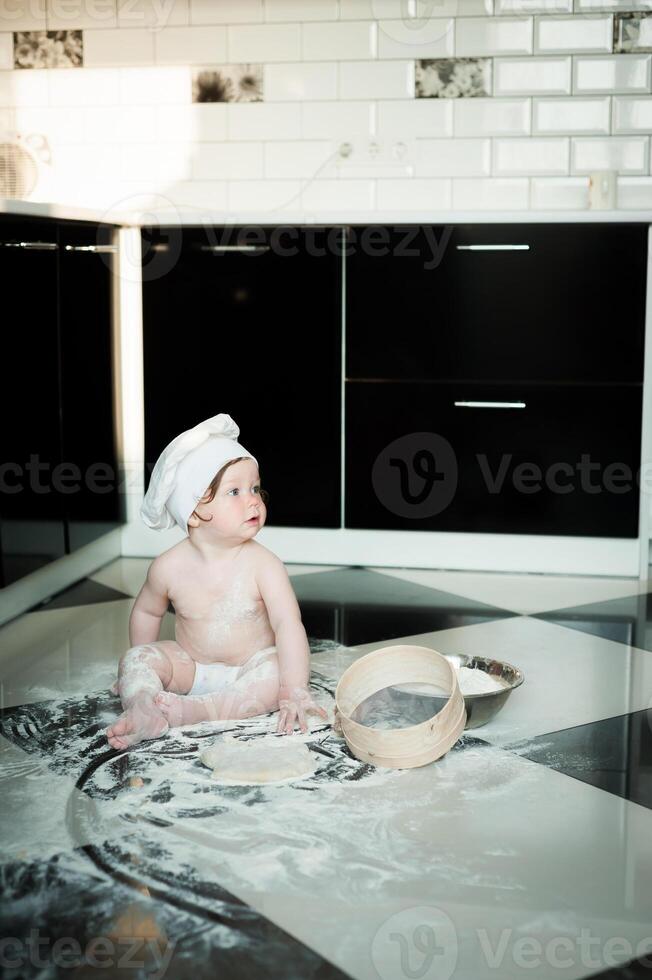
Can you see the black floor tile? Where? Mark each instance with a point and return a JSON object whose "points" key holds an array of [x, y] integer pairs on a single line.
{"points": [[627, 620], [82, 593], [137, 891], [94, 912], [614, 754], [639, 969], [354, 606]]}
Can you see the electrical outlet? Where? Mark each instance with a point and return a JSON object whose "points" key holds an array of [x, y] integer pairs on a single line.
{"points": [[375, 157]]}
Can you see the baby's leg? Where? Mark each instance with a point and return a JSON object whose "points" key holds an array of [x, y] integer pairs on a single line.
{"points": [[144, 671], [254, 692]]}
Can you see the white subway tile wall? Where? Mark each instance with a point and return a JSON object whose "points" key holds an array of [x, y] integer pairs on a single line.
{"points": [[573, 34], [620, 73], [490, 195], [634, 192], [357, 39], [632, 115], [416, 118], [531, 156], [568, 93], [584, 6], [534, 7], [124, 46], [25, 15], [263, 195], [480, 36], [626, 154], [6, 51], [332, 119], [300, 82], [432, 38], [559, 193], [226, 12], [190, 45], [490, 117], [376, 80], [532, 76], [415, 194], [205, 122], [62, 17], [131, 13], [591, 115], [453, 158]]}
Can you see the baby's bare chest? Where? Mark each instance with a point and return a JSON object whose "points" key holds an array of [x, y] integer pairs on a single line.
{"points": [[228, 603]]}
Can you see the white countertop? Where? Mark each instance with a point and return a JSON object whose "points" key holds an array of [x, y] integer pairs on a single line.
{"points": [[197, 216], [70, 212]]}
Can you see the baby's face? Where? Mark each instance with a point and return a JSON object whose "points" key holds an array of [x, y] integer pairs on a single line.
{"points": [[236, 502]]}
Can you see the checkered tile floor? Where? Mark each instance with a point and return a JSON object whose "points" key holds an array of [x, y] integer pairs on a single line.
{"points": [[523, 852]]}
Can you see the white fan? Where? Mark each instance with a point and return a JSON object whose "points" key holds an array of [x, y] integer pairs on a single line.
{"points": [[20, 163]]}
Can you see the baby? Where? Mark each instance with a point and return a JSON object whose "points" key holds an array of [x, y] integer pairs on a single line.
{"points": [[240, 648]]}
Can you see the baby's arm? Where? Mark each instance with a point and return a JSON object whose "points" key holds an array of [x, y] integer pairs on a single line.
{"points": [[292, 646], [149, 608]]}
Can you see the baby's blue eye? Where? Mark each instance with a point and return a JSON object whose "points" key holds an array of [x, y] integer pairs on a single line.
{"points": [[235, 489]]}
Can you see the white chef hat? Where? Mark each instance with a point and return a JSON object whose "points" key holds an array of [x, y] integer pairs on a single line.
{"points": [[185, 469]]}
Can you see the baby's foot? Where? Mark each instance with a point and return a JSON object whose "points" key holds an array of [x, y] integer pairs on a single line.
{"points": [[182, 709], [137, 723]]}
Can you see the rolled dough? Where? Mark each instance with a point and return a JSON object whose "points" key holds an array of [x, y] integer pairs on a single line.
{"points": [[259, 761]]}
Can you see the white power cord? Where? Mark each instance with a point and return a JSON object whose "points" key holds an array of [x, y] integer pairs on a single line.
{"points": [[337, 153]]}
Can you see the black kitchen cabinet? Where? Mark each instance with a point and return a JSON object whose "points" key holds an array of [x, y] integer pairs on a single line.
{"points": [[560, 303], [86, 283], [557, 460], [57, 393], [32, 515], [247, 321]]}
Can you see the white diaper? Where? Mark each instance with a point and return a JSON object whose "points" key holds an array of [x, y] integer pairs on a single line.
{"points": [[210, 678]]}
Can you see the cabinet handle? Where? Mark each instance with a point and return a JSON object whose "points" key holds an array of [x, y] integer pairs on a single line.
{"points": [[35, 246], [492, 248], [234, 248], [101, 249], [489, 404]]}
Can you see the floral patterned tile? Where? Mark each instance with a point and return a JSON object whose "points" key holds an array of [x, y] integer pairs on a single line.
{"points": [[632, 32], [453, 78], [48, 49], [228, 83]]}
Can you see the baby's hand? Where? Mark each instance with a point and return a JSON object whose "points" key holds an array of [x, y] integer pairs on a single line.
{"points": [[294, 703]]}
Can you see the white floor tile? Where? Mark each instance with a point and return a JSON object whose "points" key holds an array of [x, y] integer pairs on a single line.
{"points": [[571, 678], [63, 652], [37, 817], [125, 574], [447, 849]]}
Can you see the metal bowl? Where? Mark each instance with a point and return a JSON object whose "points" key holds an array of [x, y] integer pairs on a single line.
{"points": [[480, 708]]}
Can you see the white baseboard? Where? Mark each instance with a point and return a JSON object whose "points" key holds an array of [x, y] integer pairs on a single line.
{"points": [[424, 549]]}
